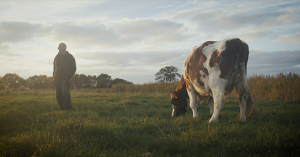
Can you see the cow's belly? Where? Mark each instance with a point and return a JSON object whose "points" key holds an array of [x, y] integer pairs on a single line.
{"points": [[203, 90]]}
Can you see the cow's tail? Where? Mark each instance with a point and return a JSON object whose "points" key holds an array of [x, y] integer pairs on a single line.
{"points": [[249, 105]]}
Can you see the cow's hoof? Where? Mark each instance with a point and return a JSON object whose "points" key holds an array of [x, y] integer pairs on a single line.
{"points": [[243, 120], [213, 121]]}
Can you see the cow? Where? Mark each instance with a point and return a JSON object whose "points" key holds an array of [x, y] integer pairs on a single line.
{"points": [[211, 71]]}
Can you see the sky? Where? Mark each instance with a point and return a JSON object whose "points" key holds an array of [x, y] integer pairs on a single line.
{"points": [[134, 39]]}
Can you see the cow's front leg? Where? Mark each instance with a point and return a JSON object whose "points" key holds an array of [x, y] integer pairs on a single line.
{"points": [[219, 99], [211, 104]]}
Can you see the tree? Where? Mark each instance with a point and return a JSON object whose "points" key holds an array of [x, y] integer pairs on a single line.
{"points": [[75, 82], [167, 74], [120, 81], [13, 81], [39, 82], [82, 81], [34, 82], [1, 84], [50, 83], [104, 81], [91, 81]]}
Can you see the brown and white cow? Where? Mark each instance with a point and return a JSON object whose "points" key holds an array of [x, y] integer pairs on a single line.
{"points": [[211, 71]]}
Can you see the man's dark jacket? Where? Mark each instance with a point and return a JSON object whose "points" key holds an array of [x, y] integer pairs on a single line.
{"points": [[64, 66]]}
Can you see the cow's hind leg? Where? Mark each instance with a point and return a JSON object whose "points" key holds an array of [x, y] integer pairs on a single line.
{"points": [[219, 98], [244, 95]]}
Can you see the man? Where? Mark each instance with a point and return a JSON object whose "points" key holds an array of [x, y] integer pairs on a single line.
{"points": [[64, 67]]}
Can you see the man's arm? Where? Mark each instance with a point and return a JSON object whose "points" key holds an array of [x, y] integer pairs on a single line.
{"points": [[73, 67], [54, 71]]}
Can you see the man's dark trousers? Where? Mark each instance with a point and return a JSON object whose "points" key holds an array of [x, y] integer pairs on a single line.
{"points": [[63, 96]]}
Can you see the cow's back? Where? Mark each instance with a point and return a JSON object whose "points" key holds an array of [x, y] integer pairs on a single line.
{"points": [[225, 60]]}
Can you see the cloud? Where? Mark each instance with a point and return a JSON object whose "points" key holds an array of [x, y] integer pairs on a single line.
{"points": [[121, 32], [218, 20], [289, 38], [20, 31], [150, 31], [164, 7], [84, 34], [146, 58], [255, 34], [4, 47], [111, 34], [261, 62], [105, 38], [129, 65], [115, 34], [147, 63], [250, 21], [6, 52], [43, 10]]}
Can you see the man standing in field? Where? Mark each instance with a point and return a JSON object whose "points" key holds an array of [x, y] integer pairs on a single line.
{"points": [[64, 67]]}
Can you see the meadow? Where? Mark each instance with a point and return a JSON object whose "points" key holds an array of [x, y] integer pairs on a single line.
{"points": [[139, 124]]}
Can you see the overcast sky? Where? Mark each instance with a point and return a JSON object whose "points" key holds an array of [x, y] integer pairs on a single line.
{"points": [[134, 39]]}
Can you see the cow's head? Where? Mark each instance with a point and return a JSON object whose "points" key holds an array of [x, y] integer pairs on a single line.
{"points": [[179, 99]]}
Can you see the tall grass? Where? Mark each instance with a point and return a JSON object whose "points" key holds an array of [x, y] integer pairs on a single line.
{"points": [[141, 88], [283, 86]]}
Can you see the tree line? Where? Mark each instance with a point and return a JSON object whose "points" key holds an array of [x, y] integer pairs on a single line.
{"points": [[79, 81], [167, 74]]}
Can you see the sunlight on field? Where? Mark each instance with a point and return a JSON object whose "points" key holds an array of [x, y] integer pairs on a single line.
{"points": [[141, 125]]}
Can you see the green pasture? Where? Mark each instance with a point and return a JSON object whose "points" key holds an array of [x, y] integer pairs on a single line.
{"points": [[141, 125]]}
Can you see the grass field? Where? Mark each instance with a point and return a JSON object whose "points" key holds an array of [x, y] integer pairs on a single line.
{"points": [[141, 125]]}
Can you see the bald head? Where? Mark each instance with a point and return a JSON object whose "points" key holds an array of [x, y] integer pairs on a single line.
{"points": [[62, 47]]}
